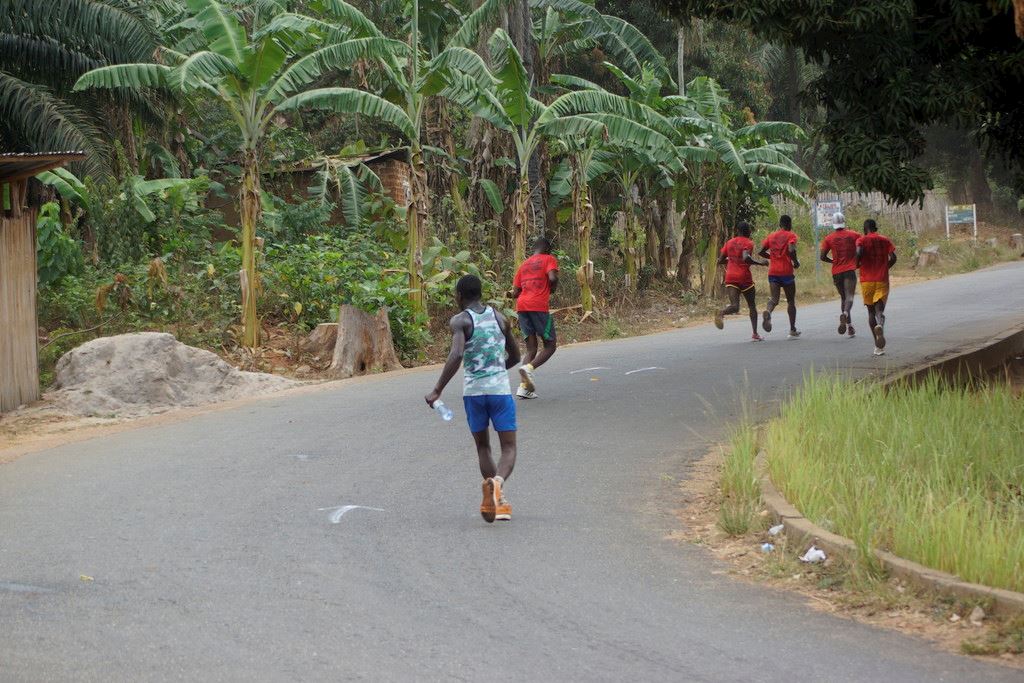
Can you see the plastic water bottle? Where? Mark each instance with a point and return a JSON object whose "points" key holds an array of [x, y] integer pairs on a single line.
{"points": [[444, 411]]}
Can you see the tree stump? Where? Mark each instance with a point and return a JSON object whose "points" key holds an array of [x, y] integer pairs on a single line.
{"points": [[321, 341], [363, 344], [928, 256]]}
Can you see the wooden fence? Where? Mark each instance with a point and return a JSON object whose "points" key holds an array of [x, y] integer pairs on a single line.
{"points": [[927, 217], [19, 371]]}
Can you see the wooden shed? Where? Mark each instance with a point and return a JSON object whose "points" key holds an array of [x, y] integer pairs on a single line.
{"points": [[19, 365]]}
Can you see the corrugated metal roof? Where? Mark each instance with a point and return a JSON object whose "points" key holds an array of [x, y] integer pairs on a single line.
{"points": [[18, 165]]}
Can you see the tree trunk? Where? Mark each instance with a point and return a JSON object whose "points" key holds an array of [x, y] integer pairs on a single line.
{"points": [[416, 219], [520, 31], [681, 58], [250, 209], [583, 220], [364, 343], [629, 241], [522, 208], [977, 181], [711, 281]]}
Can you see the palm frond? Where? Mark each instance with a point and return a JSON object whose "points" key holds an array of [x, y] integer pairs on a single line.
{"points": [[352, 101]]}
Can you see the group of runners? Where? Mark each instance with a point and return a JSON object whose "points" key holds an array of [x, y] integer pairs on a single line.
{"points": [[484, 345], [871, 253]]}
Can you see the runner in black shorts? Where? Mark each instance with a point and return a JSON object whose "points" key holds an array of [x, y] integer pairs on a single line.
{"points": [[532, 287], [842, 244]]}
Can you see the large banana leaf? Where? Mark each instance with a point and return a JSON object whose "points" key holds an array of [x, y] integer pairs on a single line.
{"points": [[574, 7], [201, 69], [631, 48], [604, 102], [310, 68], [493, 195], [126, 76], [487, 15], [463, 91], [773, 130], [263, 62], [573, 82], [352, 101], [573, 127], [224, 33], [456, 59], [513, 80], [728, 155], [349, 16]]}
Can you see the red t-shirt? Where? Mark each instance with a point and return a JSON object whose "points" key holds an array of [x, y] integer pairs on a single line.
{"points": [[777, 243], [737, 271], [843, 245], [874, 257], [532, 278]]}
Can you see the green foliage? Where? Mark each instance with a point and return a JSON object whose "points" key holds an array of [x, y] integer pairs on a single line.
{"points": [[949, 460], [926, 66], [57, 253], [307, 280]]}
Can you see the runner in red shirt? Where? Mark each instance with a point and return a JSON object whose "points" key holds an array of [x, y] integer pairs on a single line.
{"points": [[842, 243], [780, 250], [876, 254], [736, 257], [534, 283]]}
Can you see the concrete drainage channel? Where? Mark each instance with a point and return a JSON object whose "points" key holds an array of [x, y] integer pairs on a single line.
{"points": [[971, 362]]}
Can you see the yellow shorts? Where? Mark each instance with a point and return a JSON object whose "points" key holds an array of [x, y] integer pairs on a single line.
{"points": [[874, 292]]}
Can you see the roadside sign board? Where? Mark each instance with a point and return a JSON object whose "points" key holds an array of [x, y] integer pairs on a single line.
{"points": [[824, 211], [822, 219], [960, 214]]}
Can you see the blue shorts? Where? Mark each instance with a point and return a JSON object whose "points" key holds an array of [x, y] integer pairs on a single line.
{"points": [[498, 409], [782, 280]]}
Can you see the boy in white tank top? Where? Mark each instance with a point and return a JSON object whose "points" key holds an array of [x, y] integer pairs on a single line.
{"points": [[483, 344]]}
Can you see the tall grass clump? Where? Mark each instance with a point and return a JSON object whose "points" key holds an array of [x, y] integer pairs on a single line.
{"points": [[933, 473], [741, 493]]}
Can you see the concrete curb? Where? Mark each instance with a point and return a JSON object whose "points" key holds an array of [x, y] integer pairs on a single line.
{"points": [[971, 362]]}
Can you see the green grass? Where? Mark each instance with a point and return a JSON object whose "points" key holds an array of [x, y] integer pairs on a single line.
{"points": [[934, 474], [741, 493]]}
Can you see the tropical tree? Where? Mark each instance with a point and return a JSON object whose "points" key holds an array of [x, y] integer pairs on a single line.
{"points": [[253, 71], [45, 45]]}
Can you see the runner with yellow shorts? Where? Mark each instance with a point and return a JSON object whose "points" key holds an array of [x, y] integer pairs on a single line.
{"points": [[876, 254]]}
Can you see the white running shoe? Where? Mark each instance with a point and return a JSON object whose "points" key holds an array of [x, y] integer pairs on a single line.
{"points": [[526, 375], [523, 392], [878, 352], [793, 334]]}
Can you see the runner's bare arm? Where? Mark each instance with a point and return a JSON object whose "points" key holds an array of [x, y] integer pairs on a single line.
{"points": [[747, 258], [553, 280], [763, 253], [511, 345], [792, 256], [824, 255], [860, 251], [722, 259], [892, 259], [516, 291], [458, 324]]}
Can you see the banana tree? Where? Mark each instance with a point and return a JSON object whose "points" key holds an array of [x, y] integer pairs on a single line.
{"points": [[410, 81], [251, 71]]}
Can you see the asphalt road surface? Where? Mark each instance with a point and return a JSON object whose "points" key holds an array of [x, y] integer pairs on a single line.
{"points": [[213, 555]]}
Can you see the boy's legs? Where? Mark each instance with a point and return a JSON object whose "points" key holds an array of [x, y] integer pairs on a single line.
{"points": [[773, 301], [790, 290], [483, 454], [733, 307], [750, 295], [508, 454]]}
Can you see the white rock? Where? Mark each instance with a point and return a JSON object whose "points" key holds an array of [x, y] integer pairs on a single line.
{"points": [[147, 372], [977, 615]]}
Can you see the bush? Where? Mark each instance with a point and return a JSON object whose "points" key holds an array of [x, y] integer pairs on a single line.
{"points": [[57, 254], [305, 282]]}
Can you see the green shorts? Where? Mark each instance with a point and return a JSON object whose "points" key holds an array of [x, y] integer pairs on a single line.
{"points": [[537, 323]]}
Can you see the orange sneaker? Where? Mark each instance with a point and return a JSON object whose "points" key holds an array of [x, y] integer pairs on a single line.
{"points": [[490, 501], [503, 509]]}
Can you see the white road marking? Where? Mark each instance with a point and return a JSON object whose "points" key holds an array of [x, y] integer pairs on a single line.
{"points": [[653, 367], [600, 367], [22, 588], [339, 512], [301, 456]]}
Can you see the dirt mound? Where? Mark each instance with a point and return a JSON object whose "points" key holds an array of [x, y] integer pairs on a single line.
{"points": [[149, 372]]}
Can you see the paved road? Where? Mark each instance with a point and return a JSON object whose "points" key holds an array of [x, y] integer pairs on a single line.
{"points": [[213, 559]]}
